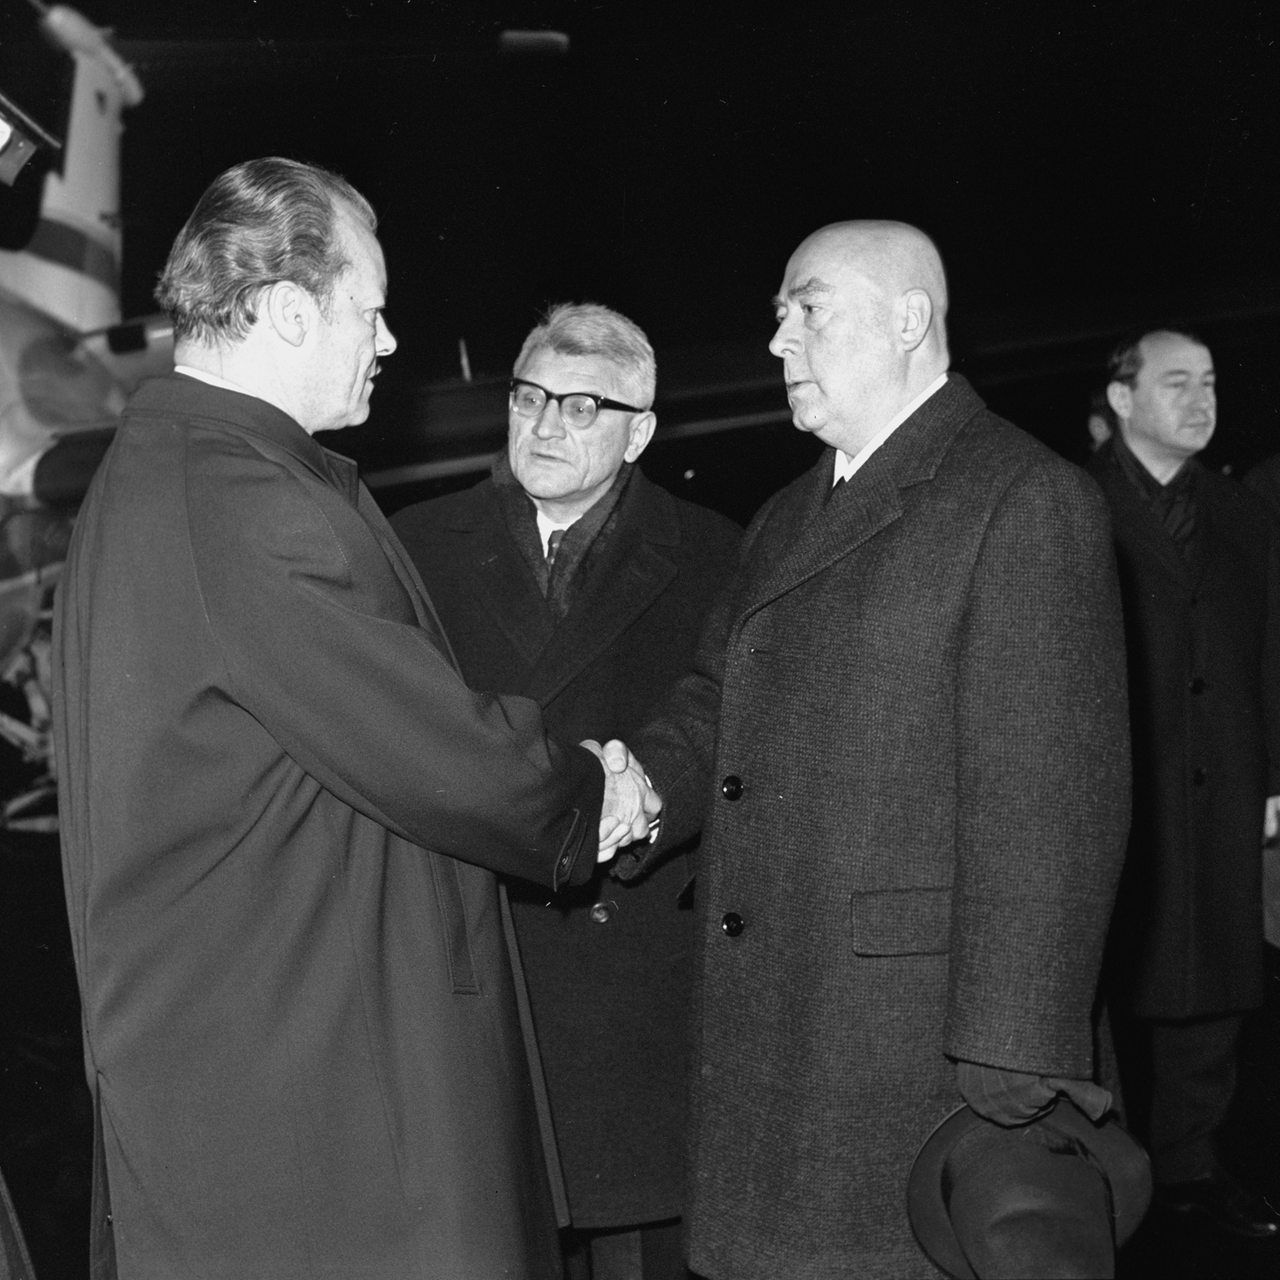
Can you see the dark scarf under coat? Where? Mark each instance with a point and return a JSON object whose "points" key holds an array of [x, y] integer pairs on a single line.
{"points": [[581, 547]]}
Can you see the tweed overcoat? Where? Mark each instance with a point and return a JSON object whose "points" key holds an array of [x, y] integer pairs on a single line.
{"points": [[609, 988], [281, 814], [1204, 680], [908, 722]]}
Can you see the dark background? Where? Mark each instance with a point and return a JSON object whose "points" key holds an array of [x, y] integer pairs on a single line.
{"points": [[1083, 167]]}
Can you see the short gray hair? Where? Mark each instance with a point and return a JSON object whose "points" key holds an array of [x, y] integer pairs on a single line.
{"points": [[589, 329]]}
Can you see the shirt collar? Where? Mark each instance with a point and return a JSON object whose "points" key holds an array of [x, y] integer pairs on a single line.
{"points": [[847, 465], [213, 379]]}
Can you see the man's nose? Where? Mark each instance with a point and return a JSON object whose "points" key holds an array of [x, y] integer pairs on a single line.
{"points": [[384, 340], [1203, 398], [784, 341], [548, 423]]}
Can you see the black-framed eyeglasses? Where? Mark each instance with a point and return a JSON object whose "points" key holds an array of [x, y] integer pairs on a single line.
{"points": [[578, 409]]}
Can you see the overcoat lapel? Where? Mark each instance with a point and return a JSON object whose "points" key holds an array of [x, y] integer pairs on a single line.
{"points": [[503, 583], [633, 572], [818, 528], [1138, 528], [817, 531]]}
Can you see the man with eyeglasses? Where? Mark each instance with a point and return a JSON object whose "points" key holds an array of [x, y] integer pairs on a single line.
{"points": [[568, 577]]}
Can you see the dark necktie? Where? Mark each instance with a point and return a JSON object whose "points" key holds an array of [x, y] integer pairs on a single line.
{"points": [[553, 545]]}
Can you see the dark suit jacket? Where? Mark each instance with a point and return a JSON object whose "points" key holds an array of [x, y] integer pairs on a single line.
{"points": [[1264, 480], [609, 987], [1204, 678], [281, 814], [908, 722]]}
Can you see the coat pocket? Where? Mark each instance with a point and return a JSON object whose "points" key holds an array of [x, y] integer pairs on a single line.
{"points": [[453, 912], [901, 922]]}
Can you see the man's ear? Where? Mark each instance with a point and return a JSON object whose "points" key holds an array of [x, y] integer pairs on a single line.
{"points": [[289, 310], [1120, 398], [640, 433], [915, 309]]}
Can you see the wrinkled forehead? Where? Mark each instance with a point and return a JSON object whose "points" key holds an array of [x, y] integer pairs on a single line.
{"points": [[822, 270]]}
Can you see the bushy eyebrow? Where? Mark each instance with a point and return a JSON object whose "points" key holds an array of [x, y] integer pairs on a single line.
{"points": [[812, 287]]}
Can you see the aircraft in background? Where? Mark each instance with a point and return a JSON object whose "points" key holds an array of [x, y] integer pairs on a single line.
{"points": [[67, 364]]}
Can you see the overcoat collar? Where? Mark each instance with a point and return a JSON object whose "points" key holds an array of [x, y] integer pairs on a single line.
{"points": [[818, 527], [634, 570], [179, 396], [1138, 528]]}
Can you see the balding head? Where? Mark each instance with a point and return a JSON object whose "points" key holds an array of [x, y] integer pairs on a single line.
{"points": [[861, 327], [895, 257]]}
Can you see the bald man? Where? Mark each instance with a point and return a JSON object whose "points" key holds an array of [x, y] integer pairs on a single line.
{"points": [[906, 729]]}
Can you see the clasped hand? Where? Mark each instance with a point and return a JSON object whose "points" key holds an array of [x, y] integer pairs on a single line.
{"points": [[631, 805]]}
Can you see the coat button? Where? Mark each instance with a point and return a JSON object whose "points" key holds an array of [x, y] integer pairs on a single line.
{"points": [[1197, 684], [1199, 776], [731, 787], [732, 923], [602, 912]]}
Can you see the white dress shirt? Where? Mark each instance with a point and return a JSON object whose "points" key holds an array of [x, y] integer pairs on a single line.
{"points": [[846, 466]]}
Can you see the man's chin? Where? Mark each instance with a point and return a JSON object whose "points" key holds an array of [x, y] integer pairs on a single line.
{"points": [[356, 418], [808, 420]]}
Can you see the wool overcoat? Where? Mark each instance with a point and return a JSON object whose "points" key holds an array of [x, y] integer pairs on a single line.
{"points": [[609, 986], [281, 814], [907, 722], [1204, 680]]}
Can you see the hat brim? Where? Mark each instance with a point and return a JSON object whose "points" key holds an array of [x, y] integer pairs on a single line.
{"points": [[1120, 1157]]}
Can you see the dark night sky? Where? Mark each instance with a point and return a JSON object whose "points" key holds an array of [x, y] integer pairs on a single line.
{"points": [[1082, 166]]}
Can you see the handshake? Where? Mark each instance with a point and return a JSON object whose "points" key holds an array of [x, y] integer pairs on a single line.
{"points": [[631, 805]]}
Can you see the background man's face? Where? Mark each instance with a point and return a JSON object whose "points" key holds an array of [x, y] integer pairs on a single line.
{"points": [[1168, 415], [559, 464]]}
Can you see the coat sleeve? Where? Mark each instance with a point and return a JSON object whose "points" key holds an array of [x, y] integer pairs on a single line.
{"points": [[1043, 778], [677, 745], [321, 644]]}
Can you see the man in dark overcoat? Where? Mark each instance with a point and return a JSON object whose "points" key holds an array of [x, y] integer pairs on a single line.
{"points": [[907, 726], [1197, 561], [595, 633], [282, 809]]}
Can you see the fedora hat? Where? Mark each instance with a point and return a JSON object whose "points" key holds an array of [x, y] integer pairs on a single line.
{"points": [[1053, 1198]]}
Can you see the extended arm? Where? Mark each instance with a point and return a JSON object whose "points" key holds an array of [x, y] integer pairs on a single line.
{"points": [[322, 646]]}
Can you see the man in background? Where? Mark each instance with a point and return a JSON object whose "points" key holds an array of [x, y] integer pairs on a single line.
{"points": [[1198, 573], [569, 577], [906, 729], [282, 809]]}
